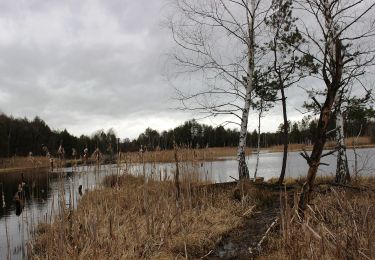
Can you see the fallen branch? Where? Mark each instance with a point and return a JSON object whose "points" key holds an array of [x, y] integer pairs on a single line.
{"points": [[249, 211], [259, 245], [352, 187], [207, 254]]}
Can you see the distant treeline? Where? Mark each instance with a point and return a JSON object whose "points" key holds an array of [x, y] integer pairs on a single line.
{"points": [[193, 134], [20, 136]]}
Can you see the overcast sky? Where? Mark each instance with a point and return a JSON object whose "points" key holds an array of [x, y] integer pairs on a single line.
{"points": [[89, 65]]}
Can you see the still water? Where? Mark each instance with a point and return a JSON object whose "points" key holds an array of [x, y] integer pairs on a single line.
{"points": [[45, 189]]}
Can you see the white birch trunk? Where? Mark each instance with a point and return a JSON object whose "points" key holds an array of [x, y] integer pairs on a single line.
{"points": [[342, 169], [258, 148], [243, 171], [355, 142]]}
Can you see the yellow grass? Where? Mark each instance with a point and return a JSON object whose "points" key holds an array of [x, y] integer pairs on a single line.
{"points": [[360, 142], [26, 163], [186, 155], [136, 219], [20, 163], [338, 224], [291, 147]]}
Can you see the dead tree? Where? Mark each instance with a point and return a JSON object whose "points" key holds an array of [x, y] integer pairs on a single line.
{"points": [[216, 38], [339, 46]]}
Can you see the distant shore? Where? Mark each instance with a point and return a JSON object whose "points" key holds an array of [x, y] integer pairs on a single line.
{"points": [[17, 164]]}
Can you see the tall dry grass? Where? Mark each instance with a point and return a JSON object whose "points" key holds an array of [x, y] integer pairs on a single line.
{"points": [[15, 163], [186, 154], [359, 142], [133, 217], [338, 224]]}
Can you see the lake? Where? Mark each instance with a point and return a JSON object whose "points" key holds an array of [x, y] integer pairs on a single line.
{"points": [[46, 190]]}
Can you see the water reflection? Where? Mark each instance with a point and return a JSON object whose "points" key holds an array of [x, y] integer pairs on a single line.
{"points": [[33, 197]]}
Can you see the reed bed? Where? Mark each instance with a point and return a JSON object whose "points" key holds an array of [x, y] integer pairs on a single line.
{"points": [[134, 217], [15, 163], [186, 154], [358, 142], [338, 224]]}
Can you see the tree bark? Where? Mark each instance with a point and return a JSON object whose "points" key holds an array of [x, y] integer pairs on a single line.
{"points": [[258, 148], [333, 66], [314, 159], [342, 169], [285, 137], [243, 171]]}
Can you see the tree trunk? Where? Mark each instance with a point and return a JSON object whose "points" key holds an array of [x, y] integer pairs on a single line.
{"points": [[355, 142], [258, 148], [314, 159], [332, 76], [243, 171], [342, 169], [285, 137]]}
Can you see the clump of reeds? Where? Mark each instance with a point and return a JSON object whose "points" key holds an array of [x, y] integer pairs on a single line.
{"points": [[140, 218], [338, 224], [359, 142], [187, 154], [15, 163]]}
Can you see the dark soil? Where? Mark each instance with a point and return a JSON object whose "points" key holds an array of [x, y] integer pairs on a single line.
{"points": [[236, 243]]}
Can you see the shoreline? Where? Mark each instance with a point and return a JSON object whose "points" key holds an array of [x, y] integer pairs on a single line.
{"points": [[167, 156]]}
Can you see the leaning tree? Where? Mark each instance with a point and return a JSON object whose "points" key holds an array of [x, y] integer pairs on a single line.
{"points": [[218, 40], [339, 37]]}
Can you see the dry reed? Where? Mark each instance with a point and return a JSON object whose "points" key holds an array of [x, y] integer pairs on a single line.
{"points": [[361, 142], [186, 155], [338, 224], [120, 221]]}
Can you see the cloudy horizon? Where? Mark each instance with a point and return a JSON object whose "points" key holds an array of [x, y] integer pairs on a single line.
{"points": [[89, 65]]}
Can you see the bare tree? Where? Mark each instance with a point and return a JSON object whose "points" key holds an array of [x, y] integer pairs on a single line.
{"points": [[339, 46], [217, 38]]}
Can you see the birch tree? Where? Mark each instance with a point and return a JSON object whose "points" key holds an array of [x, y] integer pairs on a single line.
{"points": [[217, 38], [339, 46], [342, 168], [343, 103]]}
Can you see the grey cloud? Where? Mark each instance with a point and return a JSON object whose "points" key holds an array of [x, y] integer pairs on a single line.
{"points": [[78, 64], [86, 65]]}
